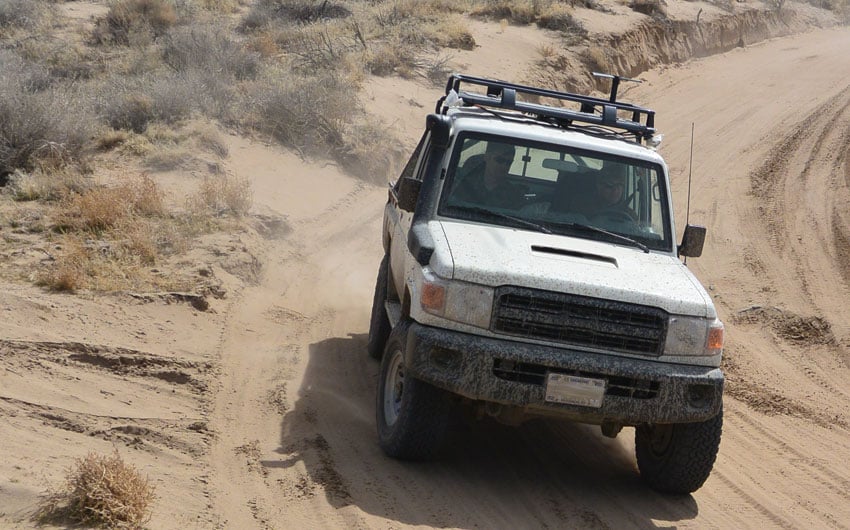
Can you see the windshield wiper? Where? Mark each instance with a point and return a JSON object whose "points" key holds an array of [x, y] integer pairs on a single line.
{"points": [[500, 215], [618, 237]]}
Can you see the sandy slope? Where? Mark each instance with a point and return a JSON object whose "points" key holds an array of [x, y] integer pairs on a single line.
{"points": [[288, 439]]}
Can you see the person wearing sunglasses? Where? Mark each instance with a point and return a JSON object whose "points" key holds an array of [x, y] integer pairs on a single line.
{"points": [[485, 181], [609, 194]]}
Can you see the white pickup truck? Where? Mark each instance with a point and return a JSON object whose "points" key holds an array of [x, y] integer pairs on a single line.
{"points": [[531, 269]]}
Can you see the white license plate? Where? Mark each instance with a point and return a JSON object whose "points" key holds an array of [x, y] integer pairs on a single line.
{"points": [[584, 391]]}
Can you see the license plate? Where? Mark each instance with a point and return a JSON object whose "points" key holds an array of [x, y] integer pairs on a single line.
{"points": [[573, 390]]}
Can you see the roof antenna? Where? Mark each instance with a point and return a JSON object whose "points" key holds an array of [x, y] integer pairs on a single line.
{"points": [[615, 83], [690, 170]]}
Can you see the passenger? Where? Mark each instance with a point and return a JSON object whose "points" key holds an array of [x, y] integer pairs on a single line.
{"points": [[609, 199]]}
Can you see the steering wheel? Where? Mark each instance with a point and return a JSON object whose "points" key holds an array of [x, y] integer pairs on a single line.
{"points": [[536, 208], [614, 214]]}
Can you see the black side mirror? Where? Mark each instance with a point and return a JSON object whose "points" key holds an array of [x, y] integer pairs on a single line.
{"points": [[692, 241], [408, 193]]}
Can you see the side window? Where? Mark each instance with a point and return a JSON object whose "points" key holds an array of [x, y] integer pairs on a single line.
{"points": [[410, 168]]}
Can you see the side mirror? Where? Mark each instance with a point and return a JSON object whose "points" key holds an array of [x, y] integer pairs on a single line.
{"points": [[692, 241], [408, 193]]}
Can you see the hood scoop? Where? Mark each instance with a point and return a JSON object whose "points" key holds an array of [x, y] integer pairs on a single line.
{"points": [[573, 254]]}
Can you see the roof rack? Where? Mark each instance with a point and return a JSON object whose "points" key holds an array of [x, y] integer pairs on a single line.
{"points": [[594, 111]]}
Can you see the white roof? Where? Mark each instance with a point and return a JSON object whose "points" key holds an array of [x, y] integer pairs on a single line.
{"points": [[478, 120]]}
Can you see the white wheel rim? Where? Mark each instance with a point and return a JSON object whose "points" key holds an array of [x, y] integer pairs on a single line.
{"points": [[393, 388]]}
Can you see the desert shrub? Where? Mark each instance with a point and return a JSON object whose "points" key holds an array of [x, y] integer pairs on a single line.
{"points": [[559, 17], [22, 14], [208, 48], [133, 104], [653, 8], [102, 208], [68, 274], [40, 127], [516, 12], [386, 58], [223, 194], [305, 112], [296, 11], [38, 185], [596, 60], [128, 17], [132, 112], [101, 490]]}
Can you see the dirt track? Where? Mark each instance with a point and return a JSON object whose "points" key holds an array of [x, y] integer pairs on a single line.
{"points": [[295, 414]]}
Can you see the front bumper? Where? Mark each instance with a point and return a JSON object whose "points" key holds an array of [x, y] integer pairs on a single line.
{"points": [[514, 373]]}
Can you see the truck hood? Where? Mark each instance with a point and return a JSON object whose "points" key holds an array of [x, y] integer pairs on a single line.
{"points": [[496, 256]]}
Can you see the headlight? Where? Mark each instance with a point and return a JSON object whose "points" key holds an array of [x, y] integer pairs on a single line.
{"points": [[468, 303], [694, 336]]}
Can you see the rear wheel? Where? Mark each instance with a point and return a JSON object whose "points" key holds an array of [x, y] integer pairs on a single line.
{"points": [[678, 458], [379, 324], [412, 415]]}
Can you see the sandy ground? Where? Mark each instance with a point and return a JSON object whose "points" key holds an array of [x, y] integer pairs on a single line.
{"points": [[259, 413]]}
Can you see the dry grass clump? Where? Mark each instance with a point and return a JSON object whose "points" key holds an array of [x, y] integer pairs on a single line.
{"points": [[21, 14], [41, 126], [207, 47], [596, 60], [653, 8], [45, 186], [514, 11], [101, 491], [112, 236], [103, 208], [131, 20], [299, 11], [223, 194]]}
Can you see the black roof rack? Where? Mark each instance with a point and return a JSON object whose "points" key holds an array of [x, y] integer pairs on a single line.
{"points": [[592, 110]]}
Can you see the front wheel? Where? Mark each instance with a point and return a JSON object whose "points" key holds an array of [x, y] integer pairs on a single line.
{"points": [[412, 415], [379, 323], [678, 458]]}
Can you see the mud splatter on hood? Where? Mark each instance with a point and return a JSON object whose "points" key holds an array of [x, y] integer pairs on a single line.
{"points": [[497, 256]]}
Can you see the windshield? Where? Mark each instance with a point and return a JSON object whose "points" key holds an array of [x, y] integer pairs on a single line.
{"points": [[552, 188]]}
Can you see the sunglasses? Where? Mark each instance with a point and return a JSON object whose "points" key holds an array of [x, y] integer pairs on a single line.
{"points": [[611, 185], [503, 160]]}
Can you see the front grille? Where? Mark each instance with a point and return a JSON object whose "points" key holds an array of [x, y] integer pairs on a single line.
{"points": [[535, 374], [580, 321]]}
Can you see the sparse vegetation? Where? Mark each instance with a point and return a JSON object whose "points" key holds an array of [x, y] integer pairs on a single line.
{"points": [[100, 490]]}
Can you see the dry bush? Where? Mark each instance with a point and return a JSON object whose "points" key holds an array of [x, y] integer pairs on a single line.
{"points": [[103, 491], [515, 12], [223, 194], [40, 126], [596, 60], [136, 104], [59, 60], [208, 48], [132, 112], [208, 138], [383, 59], [99, 209], [38, 185], [22, 14], [128, 18], [653, 8], [70, 270], [296, 11], [559, 17]]}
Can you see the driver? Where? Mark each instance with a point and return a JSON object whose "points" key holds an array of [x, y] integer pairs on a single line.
{"points": [[486, 180]]}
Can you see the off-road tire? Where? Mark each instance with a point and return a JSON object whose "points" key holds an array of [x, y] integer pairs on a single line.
{"points": [[412, 416], [379, 323], [678, 458]]}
